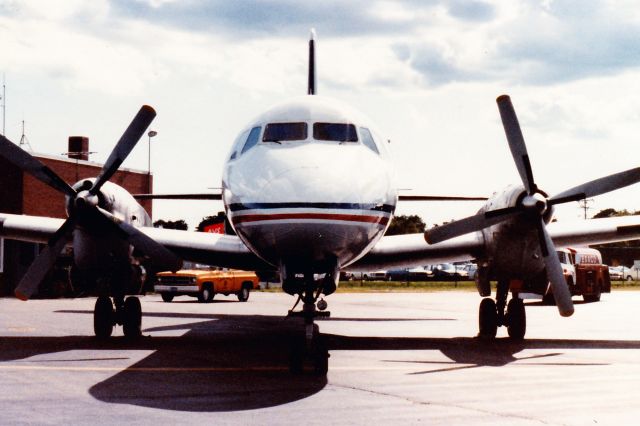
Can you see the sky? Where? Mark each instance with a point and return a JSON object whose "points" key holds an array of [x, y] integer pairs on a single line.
{"points": [[426, 72]]}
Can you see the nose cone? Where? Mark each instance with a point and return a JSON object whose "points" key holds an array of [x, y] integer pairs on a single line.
{"points": [[309, 204]]}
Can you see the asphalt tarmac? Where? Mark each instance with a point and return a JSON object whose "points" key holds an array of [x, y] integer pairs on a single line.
{"points": [[403, 358]]}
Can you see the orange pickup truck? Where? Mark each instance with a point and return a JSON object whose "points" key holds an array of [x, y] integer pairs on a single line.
{"points": [[204, 282]]}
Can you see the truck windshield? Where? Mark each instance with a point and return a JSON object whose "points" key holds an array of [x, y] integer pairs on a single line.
{"points": [[562, 257]]}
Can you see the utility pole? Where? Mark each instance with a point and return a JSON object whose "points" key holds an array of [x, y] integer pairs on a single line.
{"points": [[584, 204]]}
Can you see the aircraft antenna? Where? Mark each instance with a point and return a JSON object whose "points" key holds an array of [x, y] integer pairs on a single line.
{"points": [[23, 139], [312, 63]]}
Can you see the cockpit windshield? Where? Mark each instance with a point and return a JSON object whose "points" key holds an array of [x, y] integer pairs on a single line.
{"points": [[276, 132], [338, 132]]}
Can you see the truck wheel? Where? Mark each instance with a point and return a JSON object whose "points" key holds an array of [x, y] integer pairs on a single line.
{"points": [[595, 297], [243, 294], [206, 294], [549, 299], [167, 297]]}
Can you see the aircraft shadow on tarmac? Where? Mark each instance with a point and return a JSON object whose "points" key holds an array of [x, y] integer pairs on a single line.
{"points": [[240, 362]]}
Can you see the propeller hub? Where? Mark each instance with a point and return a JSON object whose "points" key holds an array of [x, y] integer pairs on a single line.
{"points": [[536, 202], [85, 199]]}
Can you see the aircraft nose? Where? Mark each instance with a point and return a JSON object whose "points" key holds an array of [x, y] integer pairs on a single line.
{"points": [[329, 174]]}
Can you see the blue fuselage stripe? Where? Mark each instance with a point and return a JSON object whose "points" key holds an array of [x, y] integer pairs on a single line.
{"points": [[388, 208]]}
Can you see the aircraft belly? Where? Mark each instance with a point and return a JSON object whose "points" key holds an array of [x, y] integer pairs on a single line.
{"points": [[309, 243]]}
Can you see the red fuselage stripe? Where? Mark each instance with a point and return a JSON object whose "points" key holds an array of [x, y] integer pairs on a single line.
{"points": [[284, 216]]}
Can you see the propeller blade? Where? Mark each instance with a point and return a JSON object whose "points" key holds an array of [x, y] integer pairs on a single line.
{"points": [[161, 257], [26, 162], [554, 272], [516, 142], [598, 186], [469, 224], [44, 262], [129, 139]]}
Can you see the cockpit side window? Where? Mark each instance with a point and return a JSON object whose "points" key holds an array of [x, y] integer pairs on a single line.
{"points": [[338, 132], [252, 140], [277, 132], [238, 143], [367, 140]]}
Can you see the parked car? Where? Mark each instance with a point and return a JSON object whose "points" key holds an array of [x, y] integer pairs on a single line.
{"points": [[347, 276], [471, 269], [624, 273], [615, 273], [371, 275], [444, 272], [462, 271], [418, 273]]}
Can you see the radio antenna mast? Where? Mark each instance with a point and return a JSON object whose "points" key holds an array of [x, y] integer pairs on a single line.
{"points": [[24, 140]]}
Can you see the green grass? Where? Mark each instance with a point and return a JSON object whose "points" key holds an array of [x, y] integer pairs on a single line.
{"points": [[429, 286], [397, 286]]}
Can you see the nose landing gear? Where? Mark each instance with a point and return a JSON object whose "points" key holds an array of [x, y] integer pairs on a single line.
{"points": [[311, 349]]}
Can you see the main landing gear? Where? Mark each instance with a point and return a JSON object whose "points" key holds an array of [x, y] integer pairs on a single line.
{"points": [[310, 351], [492, 314], [127, 313]]}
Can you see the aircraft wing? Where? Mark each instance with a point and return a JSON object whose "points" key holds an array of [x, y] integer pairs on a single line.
{"points": [[202, 247], [390, 252], [397, 251], [411, 250]]}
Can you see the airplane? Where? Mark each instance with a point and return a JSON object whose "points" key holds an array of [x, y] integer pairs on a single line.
{"points": [[309, 189]]}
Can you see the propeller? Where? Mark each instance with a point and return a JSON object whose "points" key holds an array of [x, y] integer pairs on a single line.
{"points": [[533, 206], [85, 209]]}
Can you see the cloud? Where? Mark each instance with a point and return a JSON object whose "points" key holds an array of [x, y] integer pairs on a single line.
{"points": [[526, 43], [471, 10], [252, 19]]}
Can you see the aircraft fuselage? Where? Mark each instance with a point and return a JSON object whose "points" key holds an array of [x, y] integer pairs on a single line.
{"points": [[309, 185]]}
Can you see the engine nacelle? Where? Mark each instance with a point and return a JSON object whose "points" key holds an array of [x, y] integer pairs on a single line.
{"points": [[512, 247]]}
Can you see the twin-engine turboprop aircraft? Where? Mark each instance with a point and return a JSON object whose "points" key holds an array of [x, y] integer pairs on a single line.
{"points": [[308, 187]]}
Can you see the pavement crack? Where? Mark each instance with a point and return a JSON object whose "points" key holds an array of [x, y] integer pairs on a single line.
{"points": [[440, 404]]}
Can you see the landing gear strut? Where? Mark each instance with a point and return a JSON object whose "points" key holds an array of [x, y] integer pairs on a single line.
{"points": [[310, 348], [127, 313], [492, 314]]}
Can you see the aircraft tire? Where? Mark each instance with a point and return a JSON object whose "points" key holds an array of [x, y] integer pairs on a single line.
{"points": [[167, 297], [488, 319], [103, 317], [132, 317], [516, 319], [320, 356]]}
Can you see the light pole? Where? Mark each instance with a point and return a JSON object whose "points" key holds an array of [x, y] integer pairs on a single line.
{"points": [[151, 134]]}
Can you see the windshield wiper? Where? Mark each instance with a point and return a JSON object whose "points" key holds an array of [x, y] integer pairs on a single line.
{"points": [[273, 141]]}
